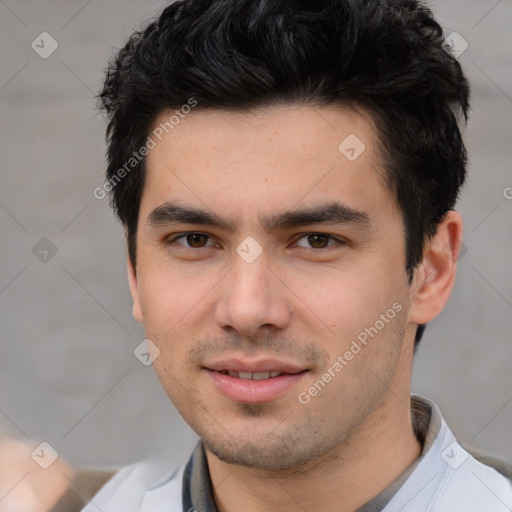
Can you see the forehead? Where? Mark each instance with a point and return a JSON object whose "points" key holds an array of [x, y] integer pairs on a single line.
{"points": [[265, 159], [298, 130]]}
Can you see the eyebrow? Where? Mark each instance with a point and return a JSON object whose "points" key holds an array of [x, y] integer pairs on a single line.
{"points": [[331, 213]]}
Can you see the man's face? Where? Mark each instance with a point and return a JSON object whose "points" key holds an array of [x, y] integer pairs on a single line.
{"points": [[269, 289]]}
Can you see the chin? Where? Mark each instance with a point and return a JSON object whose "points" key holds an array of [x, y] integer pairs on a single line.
{"points": [[268, 452]]}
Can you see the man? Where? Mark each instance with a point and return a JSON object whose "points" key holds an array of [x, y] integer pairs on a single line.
{"points": [[286, 174]]}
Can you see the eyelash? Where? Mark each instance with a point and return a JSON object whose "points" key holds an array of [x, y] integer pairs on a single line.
{"points": [[340, 241]]}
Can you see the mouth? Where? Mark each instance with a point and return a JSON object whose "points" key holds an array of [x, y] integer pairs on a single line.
{"points": [[252, 375], [254, 382]]}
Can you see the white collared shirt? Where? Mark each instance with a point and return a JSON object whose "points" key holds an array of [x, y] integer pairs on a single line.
{"points": [[446, 478]]}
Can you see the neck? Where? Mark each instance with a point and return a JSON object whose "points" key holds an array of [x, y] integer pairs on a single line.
{"points": [[343, 480]]}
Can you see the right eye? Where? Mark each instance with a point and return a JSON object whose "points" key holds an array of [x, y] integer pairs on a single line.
{"points": [[190, 240]]}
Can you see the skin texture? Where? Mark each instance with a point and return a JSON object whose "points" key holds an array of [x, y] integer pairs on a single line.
{"points": [[303, 301]]}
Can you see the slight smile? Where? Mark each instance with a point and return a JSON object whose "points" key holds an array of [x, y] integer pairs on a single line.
{"points": [[254, 382]]}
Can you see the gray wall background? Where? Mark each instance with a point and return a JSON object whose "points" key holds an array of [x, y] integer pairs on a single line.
{"points": [[67, 370]]}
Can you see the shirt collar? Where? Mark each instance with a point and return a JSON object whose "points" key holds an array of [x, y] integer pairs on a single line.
{"points": [[426, 421]]}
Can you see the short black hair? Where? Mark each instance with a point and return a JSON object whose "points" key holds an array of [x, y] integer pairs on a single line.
{"points": [[384, 56]]}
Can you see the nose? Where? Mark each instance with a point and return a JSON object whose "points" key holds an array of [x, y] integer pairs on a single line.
{"points": [[252, 296]]}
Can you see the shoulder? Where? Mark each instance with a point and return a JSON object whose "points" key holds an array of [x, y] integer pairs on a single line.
{"points": [[450, 477], [483, 482], [500, 465], [128, 489]]}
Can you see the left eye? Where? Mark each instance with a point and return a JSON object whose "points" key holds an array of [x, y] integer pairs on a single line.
{"points": [[318, 241]]}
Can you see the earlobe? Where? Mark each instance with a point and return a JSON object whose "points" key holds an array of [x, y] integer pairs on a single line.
{"points": [[134, 290], [435, 276]]}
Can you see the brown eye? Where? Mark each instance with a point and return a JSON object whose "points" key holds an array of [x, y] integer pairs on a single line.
{"points": [[318, 241], [191, 240], [196, 240]]}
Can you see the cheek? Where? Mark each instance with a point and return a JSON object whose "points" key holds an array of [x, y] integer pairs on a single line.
{"points": [[174, 306], [176, 380], [342, 304], [169, 297]]}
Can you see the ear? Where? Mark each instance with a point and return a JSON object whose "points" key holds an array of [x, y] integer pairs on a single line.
{"points": [[434, 278], [134, 290]]}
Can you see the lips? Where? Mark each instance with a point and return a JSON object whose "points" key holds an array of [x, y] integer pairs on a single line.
{"points": [[255, 381]]}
